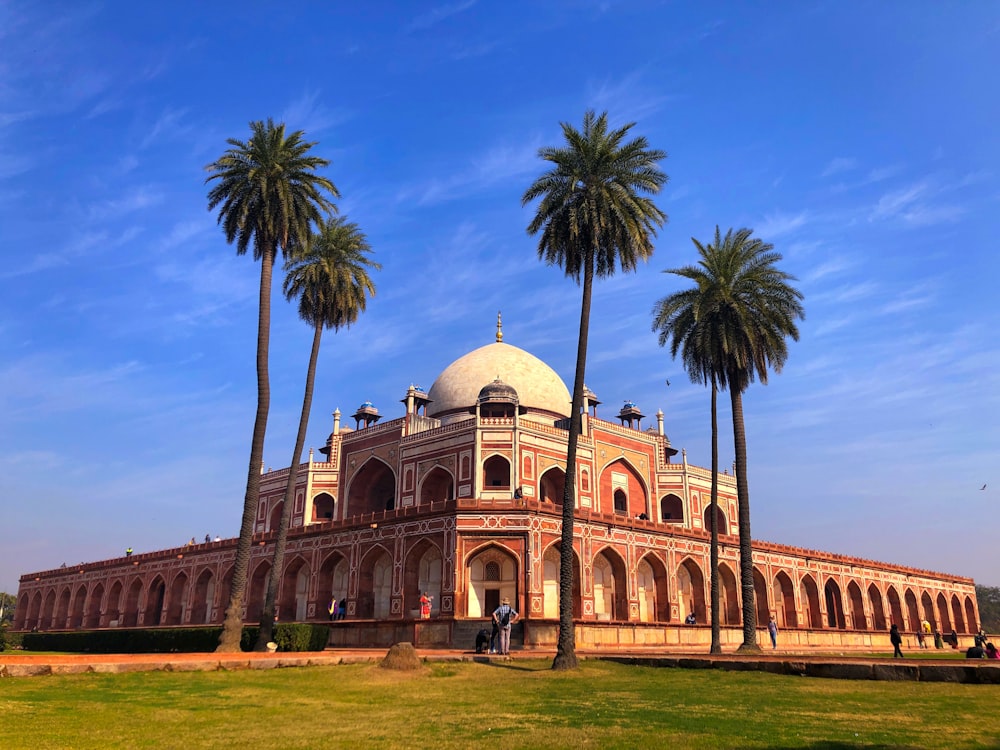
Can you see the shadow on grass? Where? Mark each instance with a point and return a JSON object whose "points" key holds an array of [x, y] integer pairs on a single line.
{"points": [[825, 745]]}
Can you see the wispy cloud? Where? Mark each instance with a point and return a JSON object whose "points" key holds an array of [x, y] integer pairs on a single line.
{"points": [[307, 113], [139, 198], [892, 203], [838, 165], [912, 204], [778, 224], [169, 124], [628, 99], [437, 14]]}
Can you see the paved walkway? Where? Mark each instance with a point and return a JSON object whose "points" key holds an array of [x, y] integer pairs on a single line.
{"points": [[860, 667]]}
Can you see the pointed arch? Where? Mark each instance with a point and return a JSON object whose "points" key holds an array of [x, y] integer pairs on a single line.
{"points": [[720, 516], [690, 590], [620, 479], [784, 601], [491, 574], [610, 585], [810, 602], [89, 616], [729, 597], [374, 600], [334, 577], [956, 613], [113, 617], [422, 569], [21, 612], [133, 600], [156, 595], [550, 582], [177, 602], [293, 596], [895, 609], [324, 508], [372, 489], [834, 605], [274, 520], [671, 509], [437, 486], [878, 608], [256, 591], [48, 611], [496, 472], [654, 599], [912, 610], [942, 606], [204, 598], [762, 605], [552, 485], [61, 616], [857, 606], [928, 610], [970, 616]]}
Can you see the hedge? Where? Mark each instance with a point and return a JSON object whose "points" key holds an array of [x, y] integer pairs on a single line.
{"points": [[288, 636]]}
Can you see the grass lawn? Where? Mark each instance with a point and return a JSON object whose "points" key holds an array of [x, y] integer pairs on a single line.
{"points": [[503, 705]]}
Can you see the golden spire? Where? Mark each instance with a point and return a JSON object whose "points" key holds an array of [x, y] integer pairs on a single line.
{"points": [[499, 328]]}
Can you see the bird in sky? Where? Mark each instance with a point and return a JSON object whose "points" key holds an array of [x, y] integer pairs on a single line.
{"points": [[982, 488]]}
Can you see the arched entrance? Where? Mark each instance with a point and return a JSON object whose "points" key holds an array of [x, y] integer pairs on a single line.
{"points": [[293, 603], [970, 615], [155, 596], [760, 599], [62, 610], [90, 617], [255, 591], [878, 610], [375, 585], [114, 606], [690, 591], [178, 600], [610, 587], [550, 583], [912, 611], [372, 490], [275, 520], [77, 614], [552, 486], [496, 474], [422, 574], [204, 595], [671, 509], [132, 599], [334, 578], [437, 486], [942, 605], [729, 599], [810, 601], [720, 519], [895, 608], [651, 579], [621, 490], [324, 507], [834, 606], [784, 601], [928, 607], [492, 575], [956, 612], [857, 605]]}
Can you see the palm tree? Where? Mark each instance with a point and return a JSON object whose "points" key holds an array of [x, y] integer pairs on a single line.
{"points": [[749, 309], [269, 194], [683, 320], [591, 218], [329, 276]]}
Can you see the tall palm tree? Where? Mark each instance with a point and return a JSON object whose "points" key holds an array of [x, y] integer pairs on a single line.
{"points": [[329, 276], [686, 320], [752, 309], [269, 194], [593, 216]]}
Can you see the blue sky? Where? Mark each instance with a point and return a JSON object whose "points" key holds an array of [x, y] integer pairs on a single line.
{"points": [[859, 138]]}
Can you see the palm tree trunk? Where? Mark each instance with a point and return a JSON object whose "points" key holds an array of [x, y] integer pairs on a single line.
{"points": [[232, 628], [716, 647], [266, 631], [743, 502], [565, 657]]}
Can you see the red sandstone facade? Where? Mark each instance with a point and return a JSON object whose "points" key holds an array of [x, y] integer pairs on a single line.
{"points": [[461, 497]]}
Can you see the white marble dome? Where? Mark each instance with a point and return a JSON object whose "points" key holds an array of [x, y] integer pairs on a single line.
{"points": [[539, 389]]}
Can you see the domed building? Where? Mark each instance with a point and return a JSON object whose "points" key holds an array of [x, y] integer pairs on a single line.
{"points": [[461, 497]]}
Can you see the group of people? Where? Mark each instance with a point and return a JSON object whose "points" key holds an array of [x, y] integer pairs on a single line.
{"points": [[498, 641], [337, 610]]}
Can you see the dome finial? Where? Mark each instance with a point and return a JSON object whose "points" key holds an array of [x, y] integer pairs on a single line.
{"points": [[499, 328]]}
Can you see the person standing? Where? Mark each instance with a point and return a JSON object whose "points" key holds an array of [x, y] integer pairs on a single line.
{"points": [[504, 616], [772, 630], [896, 640], [425, 605], [342, 609], [332, 609]]}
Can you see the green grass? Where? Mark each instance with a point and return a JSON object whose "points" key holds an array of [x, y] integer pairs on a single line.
{"points": [[510, 705]]}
